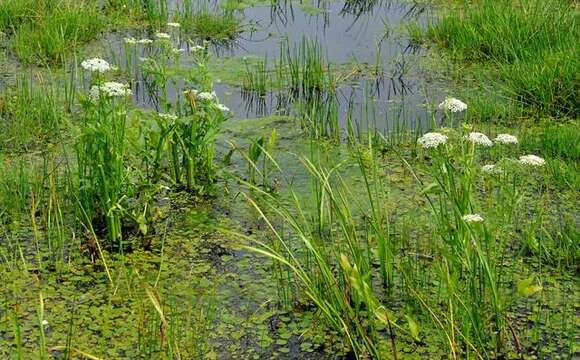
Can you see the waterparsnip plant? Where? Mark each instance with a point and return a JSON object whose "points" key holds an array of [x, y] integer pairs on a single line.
{"points": [[102, 179]]}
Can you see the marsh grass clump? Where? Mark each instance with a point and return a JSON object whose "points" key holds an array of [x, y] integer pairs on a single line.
{"points": [[304, 68], [46, 30], [256, 78], [208, 24], [530, 44], [31, 114]]}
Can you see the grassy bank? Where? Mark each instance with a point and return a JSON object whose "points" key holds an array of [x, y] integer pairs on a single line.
{"points": [[528, 49]]}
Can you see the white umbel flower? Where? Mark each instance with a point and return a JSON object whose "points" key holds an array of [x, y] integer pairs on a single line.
{"points": [[96, 65], [162, 36], [174, 25], [206, 96], [491, 169], [472, 218], [432, 140], [506, 139], [170, 117], [223, 108], [45, 322], [110, 89], [532, 160], [145, 41], [479, 139], [453, 105], [130, 41]]}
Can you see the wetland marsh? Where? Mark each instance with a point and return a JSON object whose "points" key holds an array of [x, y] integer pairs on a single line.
{"points": [[289, 179]]}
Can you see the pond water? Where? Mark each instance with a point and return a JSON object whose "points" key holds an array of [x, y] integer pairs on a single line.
{"points": [[353, 37]]}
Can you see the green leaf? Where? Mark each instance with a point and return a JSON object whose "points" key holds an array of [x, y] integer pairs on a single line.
{"points": [[142, 224], [527, 287], [413, 327], [431, 188]]}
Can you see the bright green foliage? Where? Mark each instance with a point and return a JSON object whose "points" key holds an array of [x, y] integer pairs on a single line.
{"points": [[533, 45], [102, 175], [208, 24], [47, 30]]}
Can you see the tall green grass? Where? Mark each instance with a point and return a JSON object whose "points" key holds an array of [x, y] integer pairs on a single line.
{"points": [[354, 256], [206, 23], [47, 30], [31, 114], [529, 45]]}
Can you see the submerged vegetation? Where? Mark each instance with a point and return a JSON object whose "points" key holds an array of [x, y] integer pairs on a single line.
{"points": [[142, 215]]}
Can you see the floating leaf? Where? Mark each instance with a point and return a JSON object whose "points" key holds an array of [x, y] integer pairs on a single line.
{"points": [[527, 287], [413, 327]]}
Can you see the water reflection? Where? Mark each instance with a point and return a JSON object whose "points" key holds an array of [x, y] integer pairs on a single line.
{"points": [[352, 31]]}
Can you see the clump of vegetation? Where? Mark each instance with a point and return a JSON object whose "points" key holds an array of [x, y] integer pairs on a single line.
{"points": [[208, 24], [30, 114], [531, 45], [46, 30]]}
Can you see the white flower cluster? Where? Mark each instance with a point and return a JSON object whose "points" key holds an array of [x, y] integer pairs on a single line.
{"points": [[432, 140], [532, 160], [177, 51], [479, 139], [109, 89], [130, 41], [506, 139], [223, 108], [96, 65], [174, 24], [133, 41], [205, 96], [162, 36], [491, 169], [453, 105], [472, 218], [170, 117], [201, 95]]}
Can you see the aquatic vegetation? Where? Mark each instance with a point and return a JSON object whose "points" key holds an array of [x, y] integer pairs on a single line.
{"points": [[207, 24], [256, 78], [304, 68], [102, 173], [31, 114], [453, 105], [531, 44], [359, 213], [432, 140]]}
